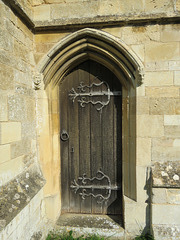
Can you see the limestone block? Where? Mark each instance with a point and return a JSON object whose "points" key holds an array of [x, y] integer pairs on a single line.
{"points": [[29, 129], [155, 51], [21, 51], [177, 78], [10, 132], [159, 195], [139, 50], [15, 32], [20, 148], [173, 196], [3, 108], [5, 153], [37, 2], [115, 31], [172, 120], [164, 149], [10, 169], [135, 213], [6, 80], [142, 178], [161, 106], [77, 9], [6, 41], [143, 151], [156, 6], [158, 92], [141, 90], [177, 5], [42, 13], [140, 35], [170, 33], [49, 38], [142, 105], [43, 47], [150, 126], [174, 65], [23, 77], [160, 78], [165, 214], [172, 131], [166, 174]]}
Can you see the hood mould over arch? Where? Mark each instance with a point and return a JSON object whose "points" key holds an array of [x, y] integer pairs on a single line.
{"points": [[96, 45]]}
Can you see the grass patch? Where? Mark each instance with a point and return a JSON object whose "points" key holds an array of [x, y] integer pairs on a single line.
{"points": [[69, 236]]}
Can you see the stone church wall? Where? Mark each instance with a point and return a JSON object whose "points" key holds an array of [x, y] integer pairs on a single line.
{"points": [[28, 141], [20, 176]]}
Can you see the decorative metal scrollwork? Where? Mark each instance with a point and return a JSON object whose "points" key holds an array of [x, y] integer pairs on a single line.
{"points": [[83, 96], [84, 183]]}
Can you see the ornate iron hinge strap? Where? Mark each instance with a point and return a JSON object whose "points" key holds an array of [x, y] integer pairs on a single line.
{"points": [[82, 95], [82, 187]]}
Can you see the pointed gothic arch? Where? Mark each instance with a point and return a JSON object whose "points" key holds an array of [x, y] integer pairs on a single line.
{"points": [[95, 45], [99, 46]]}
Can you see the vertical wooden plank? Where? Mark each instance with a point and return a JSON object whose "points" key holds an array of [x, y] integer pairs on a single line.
{"points": [[96, 136], [64, 147], [118, 146], [73, 142], [107, 141], [84, 136]]}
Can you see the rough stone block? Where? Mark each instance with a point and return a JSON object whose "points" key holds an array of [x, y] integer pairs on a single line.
{"points": [[6, 41], [3, 108], [165, 214], [161, 51], [161, 106], [164, 149], [172, 120], [10, 132], [4, 153], [158, 92], [21, 51], [177, 78], [157, 6], [170, 33], [166, 231], [150, 126], [140, 35], [19, 191], [166, 174], [177, 5], [17, 108], [6, 80], [160, 78]]}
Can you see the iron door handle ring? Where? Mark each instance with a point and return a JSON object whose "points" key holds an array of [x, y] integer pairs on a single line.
{"points": [[64, 135]]}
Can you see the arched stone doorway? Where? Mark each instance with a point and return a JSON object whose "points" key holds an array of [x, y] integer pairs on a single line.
{"points": [[106, 50]]}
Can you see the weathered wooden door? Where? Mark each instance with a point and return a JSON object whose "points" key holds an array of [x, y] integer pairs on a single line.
{"points": [[91, 158]]}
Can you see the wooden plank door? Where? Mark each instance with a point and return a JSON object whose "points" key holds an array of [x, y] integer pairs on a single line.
{"points": [[91, 147]]}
